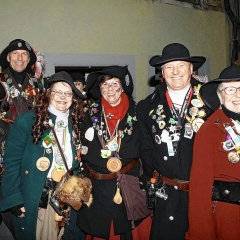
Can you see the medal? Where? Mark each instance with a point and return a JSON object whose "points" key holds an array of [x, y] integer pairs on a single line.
{"points": [[196, 103], [188, 131], [105, 153], [89, 134], [196, 124], [114, 164], [161, 124], [233, 157], [193, 111], [157, 139], [43, 163], [112, 146], [57, 175], [84, 150]]}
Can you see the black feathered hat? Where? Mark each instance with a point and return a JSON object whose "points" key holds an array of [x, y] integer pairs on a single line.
{"points": [[208, 90], [17, 44], [176, 52], [95, 78], [62, 77]]}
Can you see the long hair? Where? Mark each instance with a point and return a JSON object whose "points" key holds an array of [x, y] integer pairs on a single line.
{"points": [[43, 115]]}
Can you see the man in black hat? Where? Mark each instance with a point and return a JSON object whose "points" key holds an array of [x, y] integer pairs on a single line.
{"points": [[79, 81], [16, 61], [169, 119]]}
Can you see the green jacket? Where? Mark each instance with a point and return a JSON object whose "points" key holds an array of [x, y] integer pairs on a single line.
{"points": [[22, 182]]}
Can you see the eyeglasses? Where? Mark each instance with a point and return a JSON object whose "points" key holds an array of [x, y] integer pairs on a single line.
{"points": [[106, 85], [230, 90], [59, 93]]}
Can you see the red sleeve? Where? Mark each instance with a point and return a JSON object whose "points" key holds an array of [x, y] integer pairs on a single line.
{"points": [[201, 224]]}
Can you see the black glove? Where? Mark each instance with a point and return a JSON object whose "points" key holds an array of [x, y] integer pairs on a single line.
{"points": [[16, 210]]}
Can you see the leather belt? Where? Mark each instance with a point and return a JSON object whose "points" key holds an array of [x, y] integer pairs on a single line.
{"points": [[103, 176], [176, 183]]}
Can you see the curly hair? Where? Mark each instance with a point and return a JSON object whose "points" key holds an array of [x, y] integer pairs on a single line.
{"points": [[43, 115]]}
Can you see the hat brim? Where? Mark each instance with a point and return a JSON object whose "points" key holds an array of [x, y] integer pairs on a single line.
{"points": [[49, 81], [197, 61], [208, 92]]}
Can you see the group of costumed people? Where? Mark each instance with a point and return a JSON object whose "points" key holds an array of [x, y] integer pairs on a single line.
{"points": [[74, 170]]}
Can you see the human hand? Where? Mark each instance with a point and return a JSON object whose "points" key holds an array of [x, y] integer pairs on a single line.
{"points": [[18, 211]]}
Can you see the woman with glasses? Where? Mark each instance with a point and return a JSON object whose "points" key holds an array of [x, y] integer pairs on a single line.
{"points": [[33, 162], [214, 191], [111, 135]]}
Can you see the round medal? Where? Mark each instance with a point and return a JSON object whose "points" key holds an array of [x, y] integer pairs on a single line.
{"points": [[196, 103], [196, 124], [112, 146], [233, 157], [161, 124], [114, 164], [193, 111], [57, 175], [43, 163]]}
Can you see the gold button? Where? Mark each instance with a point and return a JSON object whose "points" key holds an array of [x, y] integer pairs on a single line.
{"points": [[26, 172]]}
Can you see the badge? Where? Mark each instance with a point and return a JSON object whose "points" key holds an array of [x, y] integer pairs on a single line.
{"points": [[105, 153], [114, 164], [48, 150], [196, 103], [57, 175], [58, 159], [193, 111], [233, 157], [188, 131], [112, 146], [196, 124], [157, 139], [202, 113], [9, 81], [47, 142], [228, 145], [153, 129], [84, 150], [161, 124], [89, 134], [165, 135], [43, 163]]}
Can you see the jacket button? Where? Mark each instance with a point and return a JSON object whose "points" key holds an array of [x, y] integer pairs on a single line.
{"points": [[26, 172], [171, 218], [165, 158], [22, 228]]}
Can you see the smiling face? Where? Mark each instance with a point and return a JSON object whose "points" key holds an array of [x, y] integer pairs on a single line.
{"points": [[177, 74], [18, 59], [111, 91], [61, 96], [231, 102]]}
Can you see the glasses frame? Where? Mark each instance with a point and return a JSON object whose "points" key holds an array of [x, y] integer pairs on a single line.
{"points": [[60, 93], [224, 89]]}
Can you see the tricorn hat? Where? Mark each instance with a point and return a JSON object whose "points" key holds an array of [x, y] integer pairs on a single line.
{"points": [[78, 77], [17, 44], [95, 78], [208, 90], [62, 77], [176, 52]]}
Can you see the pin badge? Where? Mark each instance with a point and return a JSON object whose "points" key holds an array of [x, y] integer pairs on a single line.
{"points": [[196, 103], [157, 139], [228, 145], [233, 157]]}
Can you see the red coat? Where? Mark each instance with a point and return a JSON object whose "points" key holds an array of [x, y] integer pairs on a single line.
{"points": [[210, 163]]}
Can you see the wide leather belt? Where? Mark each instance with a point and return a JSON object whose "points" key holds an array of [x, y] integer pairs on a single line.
{"points": [[176, 183], [103, 176]]}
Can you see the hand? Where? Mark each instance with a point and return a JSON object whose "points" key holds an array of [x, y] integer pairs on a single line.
{"points": [[18, 211]]}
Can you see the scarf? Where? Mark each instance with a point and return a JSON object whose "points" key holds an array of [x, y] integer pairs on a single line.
{"points": [[230, 114], [116, 113], [18, 76]]}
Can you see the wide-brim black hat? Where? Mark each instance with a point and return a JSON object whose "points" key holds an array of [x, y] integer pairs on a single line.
{"points": [[95, 78], [176, 52], [208, 90], [62, 77], [78, 77], [17, 44]]}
